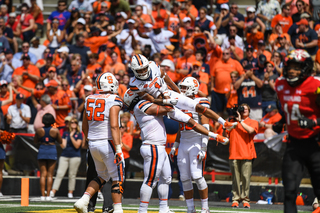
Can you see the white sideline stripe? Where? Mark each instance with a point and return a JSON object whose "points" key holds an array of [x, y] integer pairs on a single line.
{"points": [[126, 208]]}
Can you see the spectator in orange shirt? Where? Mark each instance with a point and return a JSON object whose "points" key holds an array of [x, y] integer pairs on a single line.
{"points": [[241, 154], [115, 66], [94, 65], [95, 40], [60, 102], [221, 80], [159, 14], [168, 67], [236, 52], [202, 77], [5, 97], [184, 64], [273, 39], [284, 19], [188, 37], [105, 56], [190, 10], [266, 123], [174, 22], [262, 50], [254, 35], [126, 145], [232, 95], [166, 54], [30, 73], [141, 18]]}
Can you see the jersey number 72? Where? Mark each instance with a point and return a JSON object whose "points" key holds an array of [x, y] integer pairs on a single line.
{"points": [[95, 109]]}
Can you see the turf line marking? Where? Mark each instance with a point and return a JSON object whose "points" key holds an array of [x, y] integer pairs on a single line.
{"points": [[125, 208]]}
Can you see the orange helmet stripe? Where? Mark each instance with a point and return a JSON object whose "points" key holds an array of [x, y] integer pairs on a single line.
{"points": [[139, 59], [98, 81]]}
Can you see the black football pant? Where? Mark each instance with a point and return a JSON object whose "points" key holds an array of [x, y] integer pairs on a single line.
{"points": [[106, 189], [299, 153]]}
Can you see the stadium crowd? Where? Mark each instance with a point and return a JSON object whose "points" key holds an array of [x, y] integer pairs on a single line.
{"points": [[235, 57]]}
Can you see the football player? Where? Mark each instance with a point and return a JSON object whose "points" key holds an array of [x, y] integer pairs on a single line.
{"points": [[298, 93], [193, 149], [101, 128], [156, 164], [155, 86]]}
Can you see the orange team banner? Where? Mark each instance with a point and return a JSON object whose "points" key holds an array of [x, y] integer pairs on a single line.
{"points": [[200, 42]]}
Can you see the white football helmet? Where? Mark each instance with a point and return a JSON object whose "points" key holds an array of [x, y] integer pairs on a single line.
{"points": [[139, 62], [192, 85], [106, 82], [130, 99]]}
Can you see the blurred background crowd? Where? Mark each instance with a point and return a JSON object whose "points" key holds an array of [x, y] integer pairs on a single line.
{"points": [[50, 65]]}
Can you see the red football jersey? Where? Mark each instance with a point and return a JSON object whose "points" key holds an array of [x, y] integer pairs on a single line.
{"points": [[299, 101]]}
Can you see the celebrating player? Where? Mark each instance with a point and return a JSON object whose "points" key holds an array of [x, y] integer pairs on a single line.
{"points": [[101, 128], [193, 149], [152, 84], [298, 93], [156, 164]]}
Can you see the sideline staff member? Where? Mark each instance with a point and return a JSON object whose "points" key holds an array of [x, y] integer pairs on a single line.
{"points": [[241, 153]]}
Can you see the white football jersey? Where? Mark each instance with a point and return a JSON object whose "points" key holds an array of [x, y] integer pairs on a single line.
{"points": [[152, 127], [188, 132], [155, 85], [97, 108]]}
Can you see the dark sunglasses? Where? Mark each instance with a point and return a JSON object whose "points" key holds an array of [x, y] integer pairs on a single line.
{"points": [[73, 122]]}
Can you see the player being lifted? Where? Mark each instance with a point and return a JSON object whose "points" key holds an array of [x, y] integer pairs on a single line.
{"points": [[192, 149], [156, 164], [150, 83], [101, 127], [299, 95]]}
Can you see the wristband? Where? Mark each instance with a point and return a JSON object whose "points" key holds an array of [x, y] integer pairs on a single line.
{"points": [[58, 107], [305, 45], [221, 121], [118, 148]]}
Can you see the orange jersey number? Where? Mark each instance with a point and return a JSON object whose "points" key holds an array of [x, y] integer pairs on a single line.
{"points": [[184, 126], [251, 92], [96, 113]]}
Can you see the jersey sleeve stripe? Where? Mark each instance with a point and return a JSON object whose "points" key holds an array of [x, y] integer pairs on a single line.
{"points": [[134, 88], [118, 99], [143, 103], [204, 102]]}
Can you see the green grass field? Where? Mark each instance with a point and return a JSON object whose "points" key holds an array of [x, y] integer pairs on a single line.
{"points": [[63, 207]]}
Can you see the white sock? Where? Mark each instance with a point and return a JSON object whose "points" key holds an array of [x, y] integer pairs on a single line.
{"points": [[204, 203], [143, 208], [163, 205], [212, 135], [86, 197], [190, 204], [145, 193], [117, 207]]}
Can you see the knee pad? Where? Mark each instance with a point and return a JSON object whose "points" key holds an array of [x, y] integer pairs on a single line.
{"points": [[187, 185], [201, 183], [164, 180], [119, 188], [178, 115], [97, 179]]}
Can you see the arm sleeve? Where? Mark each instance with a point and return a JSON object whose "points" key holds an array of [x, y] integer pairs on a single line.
{"points": [[204, 102], [118, 101], [144, 105]]}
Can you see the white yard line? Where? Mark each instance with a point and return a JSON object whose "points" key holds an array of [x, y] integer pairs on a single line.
{"points": [[125, 208]]}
